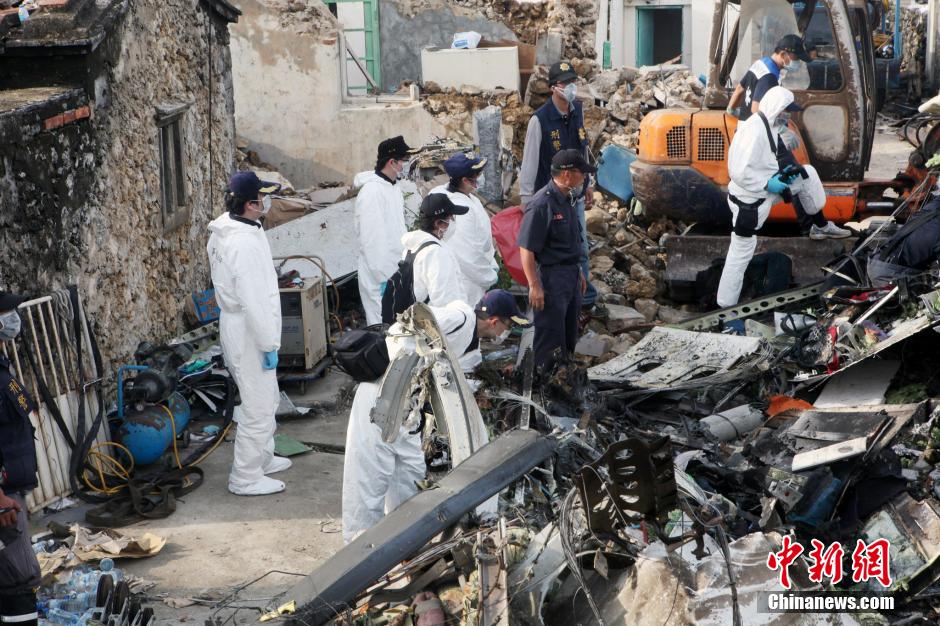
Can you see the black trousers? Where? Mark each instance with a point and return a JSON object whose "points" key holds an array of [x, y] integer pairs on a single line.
{"points": [[19, 572], [556, 325]]}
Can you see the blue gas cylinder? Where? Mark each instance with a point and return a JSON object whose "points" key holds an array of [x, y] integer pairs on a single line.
{"points": [[148, 432]]}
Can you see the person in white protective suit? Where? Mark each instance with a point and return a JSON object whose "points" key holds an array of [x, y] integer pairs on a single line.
{"points": [[379, 476], [757, 184], [380, 221], [437, 276], [250, 329], [472, 239]]}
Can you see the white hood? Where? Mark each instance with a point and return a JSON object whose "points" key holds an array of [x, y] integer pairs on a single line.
{"points": [[365, 177], [412, 239], [774, 101], [224, 226]]}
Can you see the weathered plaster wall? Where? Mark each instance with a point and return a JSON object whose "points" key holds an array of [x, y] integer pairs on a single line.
{"points": [[404, 36], [289, 104], [81, 204]]}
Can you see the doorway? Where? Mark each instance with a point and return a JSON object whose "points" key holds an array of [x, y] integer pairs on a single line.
{"points": [[658, 35]]}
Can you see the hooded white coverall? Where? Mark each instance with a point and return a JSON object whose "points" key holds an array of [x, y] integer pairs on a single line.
{"points": [[379, 476], [380, 221], [472, 245], [437, 276], [752, 162], [249, 325]]}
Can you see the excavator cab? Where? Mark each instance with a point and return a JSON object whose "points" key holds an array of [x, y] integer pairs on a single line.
{"points": [[681, 170]]}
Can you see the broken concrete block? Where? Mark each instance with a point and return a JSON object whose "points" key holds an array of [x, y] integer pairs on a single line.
{"points": [[643, 283], [623, 318], [601, 264], [624, 342], [612, 298], [605, 83], [596, 221], [592, 345], [648, 307], [622, 237], [670, 315]]}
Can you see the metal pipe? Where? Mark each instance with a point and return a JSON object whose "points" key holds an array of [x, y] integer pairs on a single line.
{"points": [[897, 29]]}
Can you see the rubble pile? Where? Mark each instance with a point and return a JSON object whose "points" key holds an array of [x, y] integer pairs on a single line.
{"points": [[454, 109], [525, 19], [914, 50], [575, 20], [303, 17], [714, 461]]}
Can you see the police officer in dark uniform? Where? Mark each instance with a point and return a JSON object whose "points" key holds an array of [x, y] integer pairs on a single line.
{"points": [[19, 569], [550, 248], [558, 125]]}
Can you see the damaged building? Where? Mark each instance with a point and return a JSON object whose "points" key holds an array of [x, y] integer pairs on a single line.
{"points": [[116, 140]]}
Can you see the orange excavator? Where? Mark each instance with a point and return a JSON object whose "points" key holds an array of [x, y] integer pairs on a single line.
{"points": [[681, 169]]}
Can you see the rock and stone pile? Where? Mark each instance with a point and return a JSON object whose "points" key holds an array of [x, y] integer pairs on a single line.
{"points": [[455, 108]]}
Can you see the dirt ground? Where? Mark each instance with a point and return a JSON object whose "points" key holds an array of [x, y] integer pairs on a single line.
{"points": [[217, 541]]}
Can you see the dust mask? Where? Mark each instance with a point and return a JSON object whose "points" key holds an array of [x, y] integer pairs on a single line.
{"points": [[265, 204], [10, 325], [571, 92], [481, 180], [501, 337], [448, 233]]}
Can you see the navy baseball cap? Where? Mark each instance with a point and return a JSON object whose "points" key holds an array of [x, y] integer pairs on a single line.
{"points": [[561, 72], [793, 107], [248, 185], [395, 148], [794, 45], [572, 159], [462, 165], [9, 301], [500, 303], [439, 205]]}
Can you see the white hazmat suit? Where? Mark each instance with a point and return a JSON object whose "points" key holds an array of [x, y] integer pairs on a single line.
{"points": [[379, 476], [380, 220], [249, 326], [472, 245], [437, 277], [752, 162]]}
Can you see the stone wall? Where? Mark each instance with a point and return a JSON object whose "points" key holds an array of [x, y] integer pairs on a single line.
{"points": [[81, 203]]}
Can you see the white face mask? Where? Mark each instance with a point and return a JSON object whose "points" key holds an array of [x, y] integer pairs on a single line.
{"points": [[10, 325], [481, 180], [265, 204], [449, 231], [400, 175], [501, 337], [570, 92]]}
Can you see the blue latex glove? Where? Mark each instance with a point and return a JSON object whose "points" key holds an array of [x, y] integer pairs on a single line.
{"points": [[269, 362], [776, 185]]}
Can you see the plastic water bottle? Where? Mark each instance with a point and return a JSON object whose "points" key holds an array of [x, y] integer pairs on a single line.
{"points": [[43, 546], [106, 566], [61, 618]]}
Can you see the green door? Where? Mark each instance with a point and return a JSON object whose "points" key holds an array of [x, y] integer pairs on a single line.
{"points": [[370, 29]]}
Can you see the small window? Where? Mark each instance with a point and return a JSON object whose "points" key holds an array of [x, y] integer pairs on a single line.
{"points": [[173, 202]]}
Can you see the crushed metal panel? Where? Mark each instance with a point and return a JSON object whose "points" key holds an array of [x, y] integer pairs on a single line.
{"points": [[669, 358], [905, 330], [335, 584], [865, 384], [325, 234]]}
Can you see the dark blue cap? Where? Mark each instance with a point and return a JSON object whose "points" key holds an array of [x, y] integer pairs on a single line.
{"points": [[9, 301], [462, 165], [500, 303], [247, 185]]}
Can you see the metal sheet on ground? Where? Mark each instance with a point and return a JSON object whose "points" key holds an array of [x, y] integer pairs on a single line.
{"points": [[863, 385], [336, 583], [329, 234], [669, 358]]}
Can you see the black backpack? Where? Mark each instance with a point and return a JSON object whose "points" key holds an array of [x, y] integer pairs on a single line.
{"points": [[362, 353], [767, 273], [399, 291]]}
